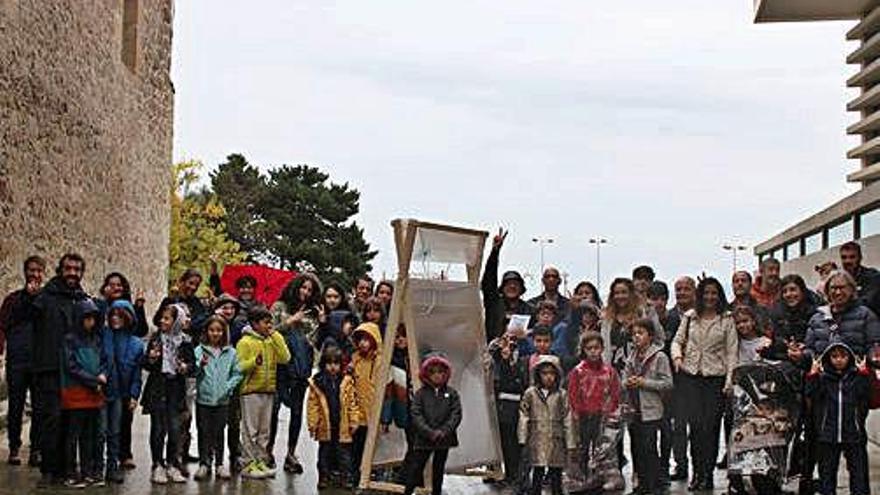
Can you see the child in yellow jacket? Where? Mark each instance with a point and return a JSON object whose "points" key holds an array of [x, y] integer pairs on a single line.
{"points": [[364, 369], [332, 414], [259, 351]]}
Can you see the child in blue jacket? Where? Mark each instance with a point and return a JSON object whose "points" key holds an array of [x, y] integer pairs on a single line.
{"points": [[217, 378], [124, 354]]}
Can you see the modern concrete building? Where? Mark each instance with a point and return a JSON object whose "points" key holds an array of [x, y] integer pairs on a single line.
{"points": [[856, 217]]}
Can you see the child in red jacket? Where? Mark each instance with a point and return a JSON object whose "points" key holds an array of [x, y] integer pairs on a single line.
{"points": [[594, 398]]}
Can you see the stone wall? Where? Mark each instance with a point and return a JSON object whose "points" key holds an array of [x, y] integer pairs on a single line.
{"points": [[86, 137]]}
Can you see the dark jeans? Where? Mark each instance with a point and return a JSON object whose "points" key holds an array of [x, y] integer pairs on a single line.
{"points": [[856, 455], [125, 432], [414, 470], [665, 448], [165, 426], [82, 439], [333, 457], [211, 423], [51, 433], [358, 440], [679, 425], [646, 459], [554, 474], [185, 420], [108, 434], [233, 429], [705, 401], [19, 384], [589, 429], [296, 417], [510, 450]]}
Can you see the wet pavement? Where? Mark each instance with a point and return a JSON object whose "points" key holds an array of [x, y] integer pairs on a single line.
{"points": [[22, 480]]}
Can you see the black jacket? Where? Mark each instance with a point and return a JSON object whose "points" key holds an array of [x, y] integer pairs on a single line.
{"points": [[160, 386], [840, 401], [788, 324], [53, 312], [512, 379], [17, 329], [436, 409], [868, 287], [498, 311]]}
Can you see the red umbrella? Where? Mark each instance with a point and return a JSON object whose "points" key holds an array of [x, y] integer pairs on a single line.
{"points": [[270, 281]]}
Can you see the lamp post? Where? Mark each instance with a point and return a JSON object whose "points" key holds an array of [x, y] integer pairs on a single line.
{"points": [[541, 241], [598, 241], [733, 248]]}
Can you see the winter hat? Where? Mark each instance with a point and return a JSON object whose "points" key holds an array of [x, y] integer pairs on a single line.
{"points": [[435, 359]]}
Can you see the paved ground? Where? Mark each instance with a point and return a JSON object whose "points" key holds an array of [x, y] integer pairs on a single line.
{"points": [[22, 480]]}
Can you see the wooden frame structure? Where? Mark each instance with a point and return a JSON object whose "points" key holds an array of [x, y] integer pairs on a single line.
{"points": [[405, 234]]}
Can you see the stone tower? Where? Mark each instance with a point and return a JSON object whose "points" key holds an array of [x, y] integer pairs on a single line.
{"points": [[86, 104]]}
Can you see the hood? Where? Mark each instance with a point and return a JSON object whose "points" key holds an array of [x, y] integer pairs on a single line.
{"points": [[336, 318], [372, 331], [330, 349], [181, 320], [826, 356], [513, 275], [87, 307], [226, 298], [434, 359], [543, 362], [126, 306]]}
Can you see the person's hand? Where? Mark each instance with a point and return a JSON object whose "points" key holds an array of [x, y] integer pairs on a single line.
{"points": [[140, 298], [817, 366], [204, 360], [861, 363], [102, 379], [322, 313], [132, 404], [181, 366], [795, 351], [155, 353], [259, 360], [32, 287], [295, 318], [499, 238], [676, 364], [505, 350]]}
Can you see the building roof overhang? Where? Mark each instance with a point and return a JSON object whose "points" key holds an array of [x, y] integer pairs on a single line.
{"points": [[811, 10]]}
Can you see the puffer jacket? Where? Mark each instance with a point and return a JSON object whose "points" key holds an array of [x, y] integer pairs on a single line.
{"points": [[654, 367], [593, 388], [856, 326], [260, 378], [435, 409], [708, 348], [318, 413], [219, 378], [498, 311], [364, 368], [840, 400], [545, 421], [124, 353]]}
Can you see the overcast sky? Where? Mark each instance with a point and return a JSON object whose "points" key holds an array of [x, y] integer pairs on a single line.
{"points": [[669, 128]]}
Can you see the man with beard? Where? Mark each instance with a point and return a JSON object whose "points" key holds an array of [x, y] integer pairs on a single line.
{"points": [[867, 279], [765, 290], [501, 302], [53, 315], [16, 336]]}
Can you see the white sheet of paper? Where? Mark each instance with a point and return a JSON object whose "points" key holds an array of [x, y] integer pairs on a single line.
{"points": [[518, 324]]}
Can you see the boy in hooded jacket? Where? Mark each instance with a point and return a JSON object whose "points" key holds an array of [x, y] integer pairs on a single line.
{"points": [[839, 389], [84, 375], [363, 368], [217, 379], [124, 354], [436, 415], [510, 371], [545, 427], [332, 414], [260, 350]]}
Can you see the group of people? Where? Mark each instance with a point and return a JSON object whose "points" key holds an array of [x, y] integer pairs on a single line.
{"points": [[584, 367], [566, 371]]}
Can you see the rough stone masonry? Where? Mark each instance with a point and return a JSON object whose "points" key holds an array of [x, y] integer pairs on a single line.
{"points": [[86, 105]]}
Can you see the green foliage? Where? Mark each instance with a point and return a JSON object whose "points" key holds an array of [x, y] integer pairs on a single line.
{"points": [[294, 216], [198, 226]]}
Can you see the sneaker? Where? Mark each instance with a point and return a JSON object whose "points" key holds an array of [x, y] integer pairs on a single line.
{"points": [[160, 475], [128, 464], [75, 483], [253, 471], [175, 475], [223, 473], [94, 481], [115, 476], [292, 465], [14, 459], [203, 473], [270, 471]]}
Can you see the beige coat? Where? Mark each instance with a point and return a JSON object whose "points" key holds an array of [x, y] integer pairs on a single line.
{"points": [[545, 422], [707, 347]]}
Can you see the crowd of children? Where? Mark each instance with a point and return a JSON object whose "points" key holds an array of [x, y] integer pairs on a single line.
{"points": [[568, 385]]}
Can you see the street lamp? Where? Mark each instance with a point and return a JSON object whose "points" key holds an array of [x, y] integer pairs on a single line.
{"points": [[733, 248], [598, 241], [541, 241]]}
